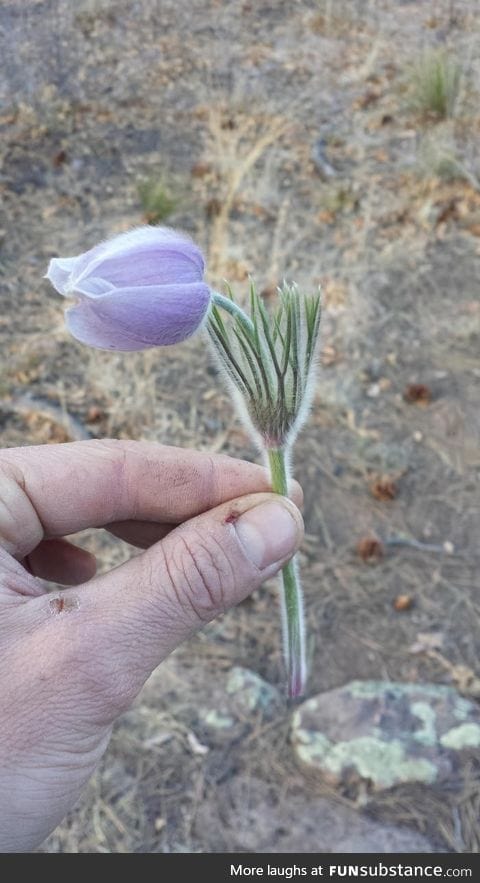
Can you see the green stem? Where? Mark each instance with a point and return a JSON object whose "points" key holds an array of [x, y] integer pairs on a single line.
{"points": [[231, 307], [292, 603]]}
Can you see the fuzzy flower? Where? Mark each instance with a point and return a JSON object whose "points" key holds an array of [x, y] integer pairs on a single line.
{"points": [[144, 289], [138, 290]]}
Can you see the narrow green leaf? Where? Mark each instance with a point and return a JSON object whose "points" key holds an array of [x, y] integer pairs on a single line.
{"points": [[229, 360], [295, 361], [313, 328], [254, 311], [287, 342], [265, 319], [251, 364], [254, 342], [217, 316], [277, 327]]}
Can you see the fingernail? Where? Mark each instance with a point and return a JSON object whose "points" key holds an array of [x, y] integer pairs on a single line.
{"points": [[270, 532]]}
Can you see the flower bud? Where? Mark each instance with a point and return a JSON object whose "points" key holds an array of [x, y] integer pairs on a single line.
{"points": [[141, 289]]}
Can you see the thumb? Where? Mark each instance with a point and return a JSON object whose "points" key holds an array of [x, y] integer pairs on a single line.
{"points": [[134, 616]]}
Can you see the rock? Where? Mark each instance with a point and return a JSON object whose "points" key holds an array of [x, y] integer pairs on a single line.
{"points": [[245, 815], [373, 735], [248, 692], [241, 698]]}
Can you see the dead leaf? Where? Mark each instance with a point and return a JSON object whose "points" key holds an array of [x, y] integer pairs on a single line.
{"points": [[94, 414], [417, 394], [403, 602], [329, 355], [59, 158], [370, 549], [200, 169], [383, 488]]}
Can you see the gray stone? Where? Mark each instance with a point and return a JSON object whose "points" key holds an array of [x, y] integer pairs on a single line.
{"points": [[375, 735], [247, 816], [239, 700], [248, 692]]}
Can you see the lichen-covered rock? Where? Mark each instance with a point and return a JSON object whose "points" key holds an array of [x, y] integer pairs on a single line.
{"points": [[248, 692], [239, 701], [379, 734]]}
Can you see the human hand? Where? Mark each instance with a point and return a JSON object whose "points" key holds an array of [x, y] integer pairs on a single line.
{"points": [[72, 661]]}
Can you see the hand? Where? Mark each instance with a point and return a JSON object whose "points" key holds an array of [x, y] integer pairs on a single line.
{"points": [[72, 661]]}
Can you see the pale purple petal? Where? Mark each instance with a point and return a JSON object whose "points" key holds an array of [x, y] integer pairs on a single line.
{"points": [[139, 318], [93, 287], [144, 265], [145, 256], [59, 271], [140, 236]]}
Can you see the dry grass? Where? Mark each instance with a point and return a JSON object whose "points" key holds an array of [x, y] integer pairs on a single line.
{"points": [[235, 142]]}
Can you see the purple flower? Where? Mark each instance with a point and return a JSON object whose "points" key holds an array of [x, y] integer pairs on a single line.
{"points": [[138, 290]]}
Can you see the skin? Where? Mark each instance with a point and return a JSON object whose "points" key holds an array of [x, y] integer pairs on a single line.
{"points": [[71, 661]]}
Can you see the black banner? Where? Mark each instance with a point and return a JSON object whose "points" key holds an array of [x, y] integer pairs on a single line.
{"points": [[220, 867]]}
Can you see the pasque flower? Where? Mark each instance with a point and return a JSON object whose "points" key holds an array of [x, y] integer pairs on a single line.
{"points": [[270, 360], [144, 289], [138, 290]]}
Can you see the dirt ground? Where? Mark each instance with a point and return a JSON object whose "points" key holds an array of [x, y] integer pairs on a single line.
{"points": [[288, 135]]}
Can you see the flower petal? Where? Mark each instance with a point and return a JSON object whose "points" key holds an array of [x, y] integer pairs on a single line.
{"points": [[140, 318], [162, 237], [145, 266], [145, 256], [93, 287], [59, 272]]}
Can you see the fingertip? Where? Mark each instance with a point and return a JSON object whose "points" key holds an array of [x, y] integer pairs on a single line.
{"points": [[270, 532], [296, 494]]}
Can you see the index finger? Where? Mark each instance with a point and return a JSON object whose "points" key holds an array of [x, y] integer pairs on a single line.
{"points": [[61, 489]]}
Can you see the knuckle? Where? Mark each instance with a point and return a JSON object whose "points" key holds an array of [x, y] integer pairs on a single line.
{"points": [[200, 574], [20, 526], [209, 488], [124, 474], [126, 470]]}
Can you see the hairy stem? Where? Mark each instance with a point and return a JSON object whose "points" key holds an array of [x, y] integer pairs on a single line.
{"points": [[231, 307], [292, 601]]}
